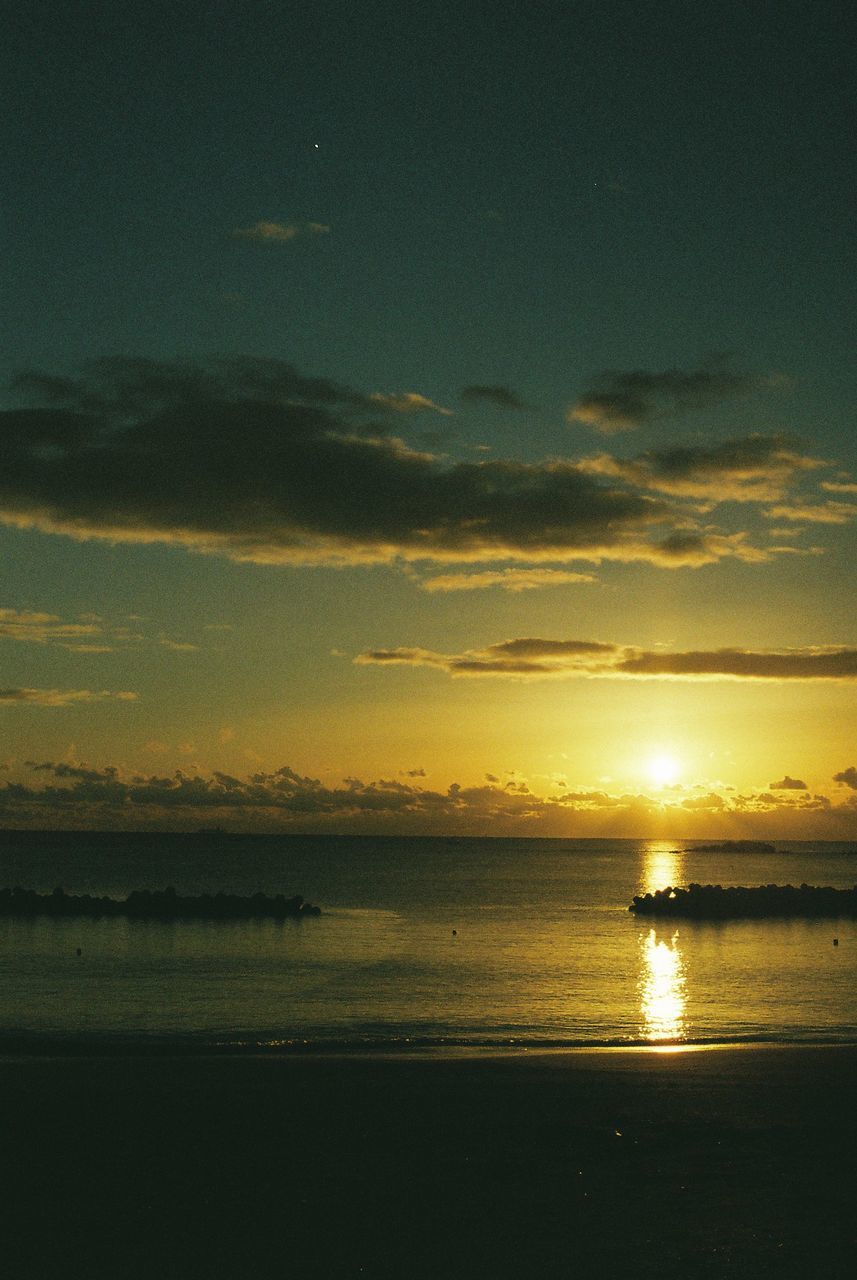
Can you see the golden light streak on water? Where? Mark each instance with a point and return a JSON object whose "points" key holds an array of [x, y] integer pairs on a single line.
{"points": [[663, 865], [661, 982]]}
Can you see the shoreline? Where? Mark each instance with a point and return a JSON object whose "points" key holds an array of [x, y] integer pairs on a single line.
{"points": [[17, 1047]]}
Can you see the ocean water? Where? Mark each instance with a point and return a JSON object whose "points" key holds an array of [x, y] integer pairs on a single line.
{"points": [[422, 942]]}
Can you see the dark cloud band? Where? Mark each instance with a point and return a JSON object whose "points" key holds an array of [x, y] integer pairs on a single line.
{"points": [[251, 459], [557, 658], [276, 800], [619, 400], [502, 397]]}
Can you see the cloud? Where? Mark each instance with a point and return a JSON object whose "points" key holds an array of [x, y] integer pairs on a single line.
{"points": [[79, 795], [536, 648], [60, 697], [767, 802], [279, 232], [250, 459], [78, 772], [43, 628], [568, 658], [402, 656], [503, 397], [692, 549], [821, 663], [118, 391], [287, 797], [620, 401], [788, 784], [407, 402], [525, 657], [283, 792], [794, 551], [748, 469], [839, 486], [509, 579], [820, 513], [90, 634], [848, 777], [712, 802]]}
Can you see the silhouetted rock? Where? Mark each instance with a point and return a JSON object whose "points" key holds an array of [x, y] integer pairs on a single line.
{"points": [[734, 846], [162, 904], [713, 902]]}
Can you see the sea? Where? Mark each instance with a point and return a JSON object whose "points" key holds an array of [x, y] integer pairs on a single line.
{"points": [[422, 944]]}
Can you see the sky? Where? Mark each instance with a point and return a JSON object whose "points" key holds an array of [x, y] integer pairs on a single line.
{"points": [[429, 419]]}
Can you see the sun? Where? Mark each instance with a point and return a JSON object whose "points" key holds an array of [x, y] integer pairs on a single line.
{"points": [[663, 769]]}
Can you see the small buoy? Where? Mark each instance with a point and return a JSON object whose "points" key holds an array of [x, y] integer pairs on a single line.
{"points": [[836, 942], [79, 952], [455, 933]]}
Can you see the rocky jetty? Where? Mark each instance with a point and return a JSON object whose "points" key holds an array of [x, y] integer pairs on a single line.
{"points": [[714, 902], [734, 846], [161, 904]]}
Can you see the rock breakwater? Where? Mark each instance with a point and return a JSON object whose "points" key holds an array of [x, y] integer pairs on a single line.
{"points": [[714, 902], [160, 904]]}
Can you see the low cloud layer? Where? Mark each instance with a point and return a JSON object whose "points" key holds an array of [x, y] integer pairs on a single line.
{"points": [[283, 792], [77, 794], [618, 400], [584, 658], [251, 459], [24, 697], [514, 580], [30, 627], [89, 633]]}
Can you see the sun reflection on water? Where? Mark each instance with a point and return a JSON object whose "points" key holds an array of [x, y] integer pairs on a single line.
{"points": [[661, 982], [662, 988], [663, 865]]}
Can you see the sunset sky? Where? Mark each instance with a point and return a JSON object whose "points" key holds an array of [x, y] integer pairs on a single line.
{"points": [[430, 418]]}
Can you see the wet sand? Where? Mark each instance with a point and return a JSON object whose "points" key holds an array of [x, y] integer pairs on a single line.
{"points": [[729, 1162]]}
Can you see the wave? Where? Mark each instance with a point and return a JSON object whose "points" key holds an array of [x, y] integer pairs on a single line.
{"points": [[30, 1044]]}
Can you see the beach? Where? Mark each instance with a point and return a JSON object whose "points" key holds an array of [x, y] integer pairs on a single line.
{"points": [[737, 1161]]}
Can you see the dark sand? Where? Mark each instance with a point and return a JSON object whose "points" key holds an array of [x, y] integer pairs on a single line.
{"points": [[732, 1162]]}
